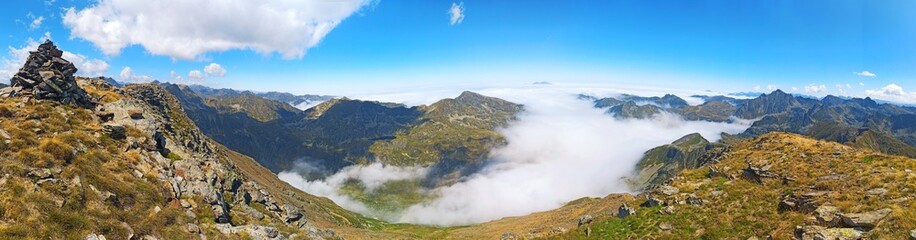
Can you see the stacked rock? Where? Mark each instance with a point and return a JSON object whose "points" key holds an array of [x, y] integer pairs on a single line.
{"points": [[46, 75]]}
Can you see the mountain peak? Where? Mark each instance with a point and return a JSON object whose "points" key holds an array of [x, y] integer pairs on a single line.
{"points": [[775, 102], [779, 92], [469, 96]]}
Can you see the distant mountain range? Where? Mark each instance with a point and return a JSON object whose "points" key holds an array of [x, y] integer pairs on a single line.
{"points": [[299, 101], [864, 122], [340, 132]]}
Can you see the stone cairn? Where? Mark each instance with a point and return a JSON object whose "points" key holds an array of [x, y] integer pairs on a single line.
{"points": [[47, 76]]}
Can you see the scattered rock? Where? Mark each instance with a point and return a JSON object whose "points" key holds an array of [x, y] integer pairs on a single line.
{"points": [[220, 213], [135, 115], [824, 233], [509, 236], [193, 228], [95, 237], [105, 116], [652, 202], [625, 211], [253, 231], [877, 192], [865, 219], [292, 213], [913, 234], [584, 220], [40, 173], [115, 131], [5, 136], [833, 177], [665, 226], [799, 203], [694, 200], [827, 215], [667, 190], [667, 210], [756, 174], [130, 230]]}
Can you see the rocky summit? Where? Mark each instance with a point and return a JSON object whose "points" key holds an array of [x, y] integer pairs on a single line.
{"points": [[46, 75]]}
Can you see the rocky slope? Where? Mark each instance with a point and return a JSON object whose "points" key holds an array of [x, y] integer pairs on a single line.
{"points": [[778, 186], [271, 142], [135, 166]]}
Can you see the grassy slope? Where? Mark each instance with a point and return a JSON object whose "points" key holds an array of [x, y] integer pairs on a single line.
{"points": [[59, 137], [749, 209]]}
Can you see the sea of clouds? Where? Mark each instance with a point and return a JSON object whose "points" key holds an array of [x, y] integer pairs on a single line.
{"points": [[560, 149]]}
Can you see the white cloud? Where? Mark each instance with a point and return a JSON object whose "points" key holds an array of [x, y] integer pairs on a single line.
{"points": [[456, 13], [187, 29], [127, 75], [865, 74], [816, 88], [795, 89], [892, 92], [17, 56], [560, 149], [36, 22], [861, 84], [175, 77], [195, 75], [86, 66], [757, 88], [215, 70], [848, 86], [772, 87]]}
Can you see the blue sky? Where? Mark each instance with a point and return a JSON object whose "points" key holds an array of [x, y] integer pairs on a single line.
{"points": [[806, 47]]}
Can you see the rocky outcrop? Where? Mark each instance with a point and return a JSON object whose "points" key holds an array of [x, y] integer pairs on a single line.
{"points": [[865, 220], [625, 211], [46, 75]]}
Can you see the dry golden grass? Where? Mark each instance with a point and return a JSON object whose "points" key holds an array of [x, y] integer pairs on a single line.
{"points": [[48, 135]]}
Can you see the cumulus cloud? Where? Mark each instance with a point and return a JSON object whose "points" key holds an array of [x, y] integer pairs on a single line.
{"points": [[127, 75], [865, 74], [456, 13], [195, 75], [86, 66], [560, 149], [187, 29], [892, 92], [17, 56], [215, 70], [175, 78], [816, 88]]}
